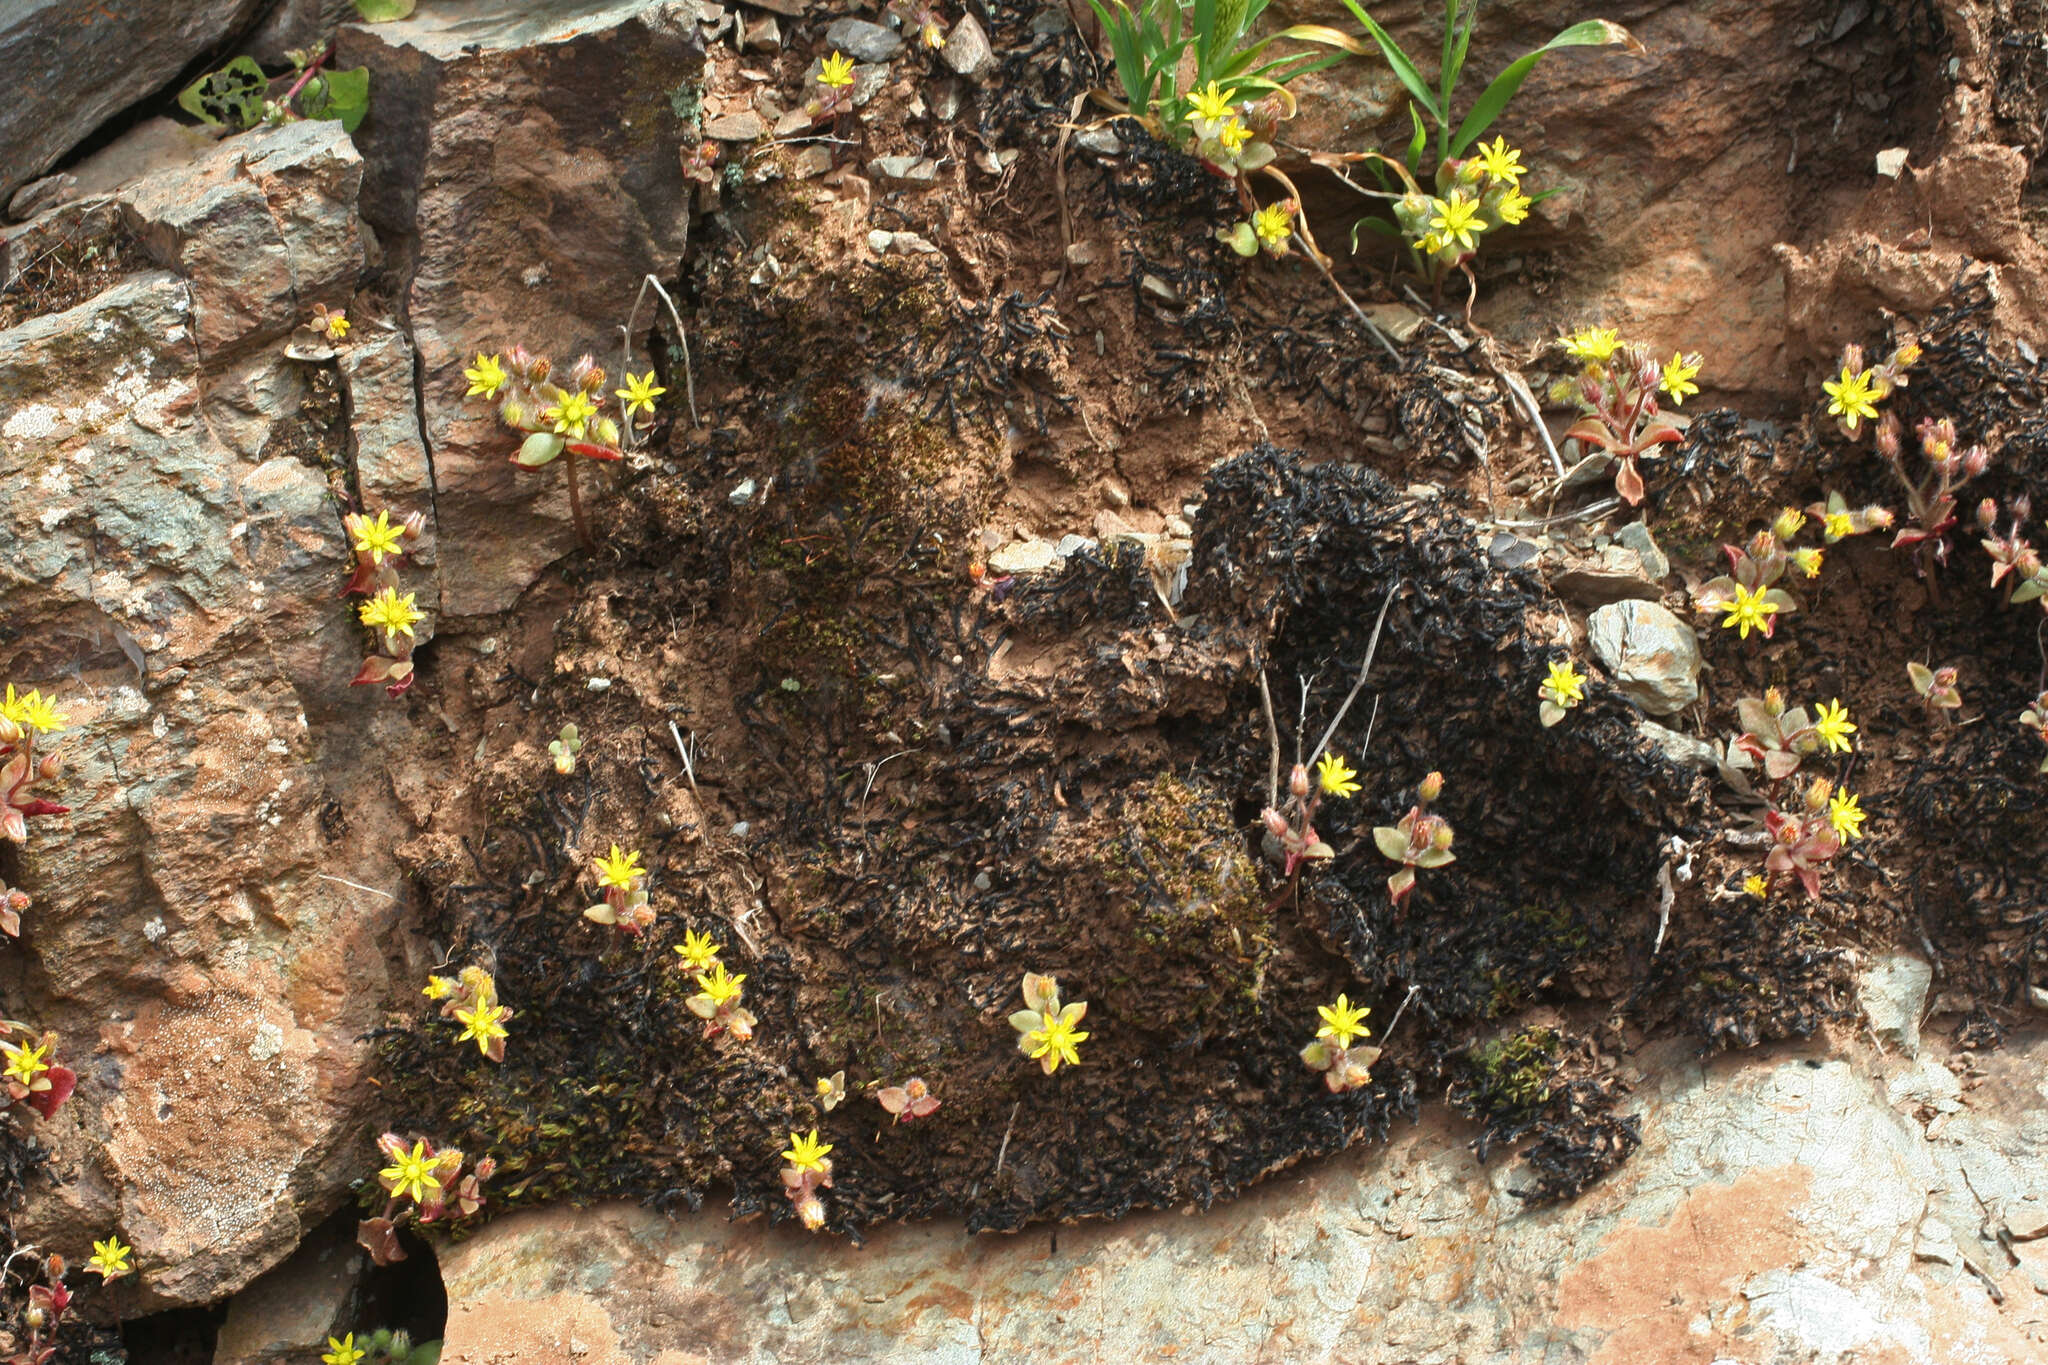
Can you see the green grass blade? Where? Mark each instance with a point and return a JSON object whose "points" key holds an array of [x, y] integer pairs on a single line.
{"points": [[1404, 68], [1591, 33]]}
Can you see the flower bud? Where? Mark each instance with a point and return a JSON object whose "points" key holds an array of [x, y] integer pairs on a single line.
{"points": [[1987, 514], [1774, 701], [586, 375], [513, 414], [50, 766], [414, 526], [1877, 518], [1817, 794], [607, 431], [811, 1210], [2022, 508], [538, 371], [10, 733], [18, 901], [1975, 461], [1432, 787], [1276, 823], [35, 1319], [1788, 523], [1888, 437], [1440, 838], [1297, 781], [1852, 358]]}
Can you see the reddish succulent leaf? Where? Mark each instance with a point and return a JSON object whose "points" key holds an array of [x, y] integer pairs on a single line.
{"points": [[63, 1080], [595, 452], [379, 1237]]}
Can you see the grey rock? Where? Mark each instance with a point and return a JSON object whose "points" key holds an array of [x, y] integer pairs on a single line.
{"points": [[912, 171], [967, 50], [291, 1311], [1653, 657], [1636, 536], [1611, 574], [1893, 994], [883, 243], [150, 147], [1100, 141], [1681, 749], [1071, 544], [863, 41], [91, 62], [788, 9], [744, 126], [303, 24], [742, 493], [1778, 1193], [764, 35], [810, 162], [1511, 551]]}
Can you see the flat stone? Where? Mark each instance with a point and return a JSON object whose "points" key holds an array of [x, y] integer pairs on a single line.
{"points": [[1100, 141], [915, 171], [1636, 536], [744, 126], [1511, 551], [810, 162], [291, 1311], [1893, 994], [1023, 557], [788, 9], [1653, 657], [863, 41], [764, 35], [1613, 573], [1397, 320], [884, 243], [2026, 1218], [967, 50], [1681, 749]]}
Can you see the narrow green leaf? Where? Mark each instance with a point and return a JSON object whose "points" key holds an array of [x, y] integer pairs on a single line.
{"points": [[1416, 143], [1404, 69], [1591, 33]]}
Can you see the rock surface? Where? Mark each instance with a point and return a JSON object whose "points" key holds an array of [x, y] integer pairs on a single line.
{"points": [[89, 62], [165, 475], [1769, 1218], [1653, 656]]}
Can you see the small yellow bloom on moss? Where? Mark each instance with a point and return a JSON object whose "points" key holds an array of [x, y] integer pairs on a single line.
{"points": [[697, 951], [1565, 687], [1833, 726], [412, 1174], [1502, 162], [1342, 1022], [722, 989], [342, 1352], [640, 392], [1846, 815], [1336, 777], [805, 1152], [378, 538], [1233, 135], [1808, 560], [483, 1025], [836, 71], [485, 377], [1514, 208], [1594, 345], [391, 613], [110, 1258], [1852, 397], [619, 869], [1755, 885], [1748, 609], [1677, 378], [572, 415], [1056, 1039], [25, 1063]]}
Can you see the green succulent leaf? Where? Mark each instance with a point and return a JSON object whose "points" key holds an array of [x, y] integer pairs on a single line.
{"points": [[384, 11]]}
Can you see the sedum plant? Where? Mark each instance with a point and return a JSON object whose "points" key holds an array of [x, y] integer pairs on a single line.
{"points": [[380, 548], [1936, 688], [1417, 840], [471, 1000], [1776, 738], [1331, 1051], [559, 420], [1047, 1031], [1616, 392], [30, 1077], [717, 1002], [1853, 398], [624, 884], [564, 748], [24, 717], [1930, 498], [1748, 595], [807, 1169], [911, 1100], [2035, 720], [423, 1184], [1562, 690]]}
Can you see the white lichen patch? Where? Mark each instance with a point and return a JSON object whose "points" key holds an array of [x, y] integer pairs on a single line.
{"points": [[33, 422]]}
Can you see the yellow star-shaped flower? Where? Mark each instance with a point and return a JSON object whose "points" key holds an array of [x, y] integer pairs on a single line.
{"points": [[836, 71], [483, 1025], [1833, 726], [619, 869], [722, 989], [1056, 1039], [1748, 609], [342, 1352], [1336, 777], [1514, 208], [1211, 103], [485, 377], [378, 538], [1837, 526], [1565, 687], [1501, 162], [1846, 815], [640, 392], [1852, 397], [1274, 224], [438, 988], [1594, 345], [391, 613], [25, 1063], [1233, 135], [1755, 885], [806, 1152], [34, 710], [1807, 560], [697, 952], [570, 416], [110, 1258], [1342, 1022], [337, 326], [1677, 379], [1456, 222], [412, 1174]]}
